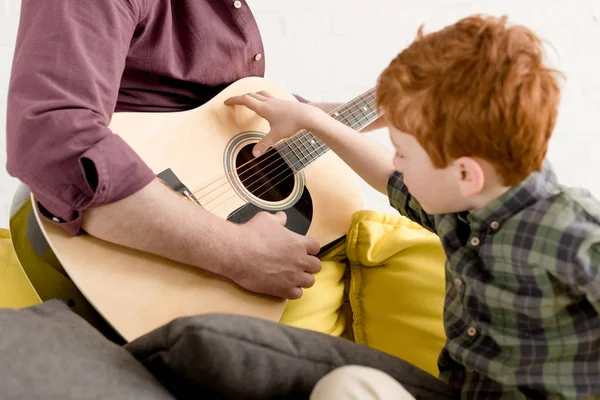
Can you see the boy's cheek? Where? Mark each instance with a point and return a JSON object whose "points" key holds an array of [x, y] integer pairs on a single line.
{"points": [[415, 189], [397, 164], [408, 184]]}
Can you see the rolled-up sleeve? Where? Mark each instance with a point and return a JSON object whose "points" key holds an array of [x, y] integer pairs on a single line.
{"points": [[68, 63]]}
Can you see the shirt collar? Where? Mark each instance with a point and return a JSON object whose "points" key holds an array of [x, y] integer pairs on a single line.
{"points": [[539, 185]]}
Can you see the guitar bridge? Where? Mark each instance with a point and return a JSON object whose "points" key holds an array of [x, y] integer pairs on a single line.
{"points": [[169, 178]]}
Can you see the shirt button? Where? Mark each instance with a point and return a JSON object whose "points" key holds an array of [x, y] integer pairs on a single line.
{"points": [[495, 225], [237, 4], [257, 57], [458, 282], [475, 241], [471, 331]]}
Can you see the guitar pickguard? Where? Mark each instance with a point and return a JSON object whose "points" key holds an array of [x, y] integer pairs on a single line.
{"points": [[299, 216]]}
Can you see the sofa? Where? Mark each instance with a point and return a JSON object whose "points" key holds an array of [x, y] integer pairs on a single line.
{"points": [[378, 302]]}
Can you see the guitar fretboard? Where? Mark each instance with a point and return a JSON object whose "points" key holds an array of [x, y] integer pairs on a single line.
{"points": [[303, 148]]}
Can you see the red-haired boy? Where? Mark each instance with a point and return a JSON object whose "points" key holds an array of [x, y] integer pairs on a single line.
{"points": [[470, 109]]}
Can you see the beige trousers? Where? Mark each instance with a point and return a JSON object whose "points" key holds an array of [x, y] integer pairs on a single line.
{"points": [[358, 383]]}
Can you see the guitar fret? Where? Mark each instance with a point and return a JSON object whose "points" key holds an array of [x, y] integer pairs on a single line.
{"points": [[289, 150], [366, 115], [356, 124], [304, 161], [281, 148], [304, 147], [367, 110], [300, 146], [309, 151], [292, 145], [314, 142], [347, 116], [318, 145], [363, 110], [343, 119]]}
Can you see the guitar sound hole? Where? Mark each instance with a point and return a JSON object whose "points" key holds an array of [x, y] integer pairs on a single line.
{"points": [[267, 177]]}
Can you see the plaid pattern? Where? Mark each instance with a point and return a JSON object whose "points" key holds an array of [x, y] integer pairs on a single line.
{"points": [[522, 291]]}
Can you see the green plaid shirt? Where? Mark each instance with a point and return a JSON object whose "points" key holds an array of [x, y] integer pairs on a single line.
{"points": [[522, 291]]}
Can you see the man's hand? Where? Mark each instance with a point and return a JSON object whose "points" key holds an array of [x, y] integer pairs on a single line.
{"points": [[261, 255], [273, 260]]}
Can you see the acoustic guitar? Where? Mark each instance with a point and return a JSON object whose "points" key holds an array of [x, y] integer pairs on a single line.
{"points": [[205, 155]]}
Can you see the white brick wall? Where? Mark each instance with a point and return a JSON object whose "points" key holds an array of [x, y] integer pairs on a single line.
{"points": [[333, 50]]}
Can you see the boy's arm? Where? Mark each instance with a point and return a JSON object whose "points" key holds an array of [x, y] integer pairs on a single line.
{"points": [[369, 159], [373, 162]]}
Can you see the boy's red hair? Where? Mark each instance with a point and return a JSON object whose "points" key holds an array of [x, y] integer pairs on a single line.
{"points": [[476, 88]]}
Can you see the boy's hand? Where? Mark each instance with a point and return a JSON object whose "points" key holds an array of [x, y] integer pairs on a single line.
{"points": [[285, 117]]}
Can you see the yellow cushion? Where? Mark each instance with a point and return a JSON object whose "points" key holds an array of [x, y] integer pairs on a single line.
{"points": [[15, 289], [320, 307], [397, 287]]}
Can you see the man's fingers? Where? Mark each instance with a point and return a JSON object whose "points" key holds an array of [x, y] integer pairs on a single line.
{"points": [[294, 293], [281, 217], [314, 265], [312, 246], [306, 281]]}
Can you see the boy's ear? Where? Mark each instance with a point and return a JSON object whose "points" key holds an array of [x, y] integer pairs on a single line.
{"points": [[471, 176]]}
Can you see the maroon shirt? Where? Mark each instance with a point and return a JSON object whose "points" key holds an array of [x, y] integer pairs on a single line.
{"points": [[78, 61]]}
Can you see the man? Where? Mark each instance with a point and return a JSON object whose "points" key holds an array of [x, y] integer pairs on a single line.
{"points": [[77, 61]]}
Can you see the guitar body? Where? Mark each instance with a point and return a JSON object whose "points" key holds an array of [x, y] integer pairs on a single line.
{"points": [[207, 152]]}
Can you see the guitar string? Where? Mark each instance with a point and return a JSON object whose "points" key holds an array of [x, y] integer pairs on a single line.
{"points": [[284, 163], [229, 189], [270, 179], [303, 135], [265, 183], [293, 140]]}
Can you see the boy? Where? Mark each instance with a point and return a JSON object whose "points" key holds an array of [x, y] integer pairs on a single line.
{"points": [[470, 110]]}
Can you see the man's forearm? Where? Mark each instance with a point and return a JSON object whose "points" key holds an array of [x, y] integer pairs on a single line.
{"points": [[370, 160], [159, 221]]}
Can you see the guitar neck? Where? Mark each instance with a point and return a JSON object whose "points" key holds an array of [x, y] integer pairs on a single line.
{"points": [[303, 148]]}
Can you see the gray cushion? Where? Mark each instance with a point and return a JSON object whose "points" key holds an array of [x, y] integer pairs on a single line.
{"points": [[49, 352], [236, 357]]}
